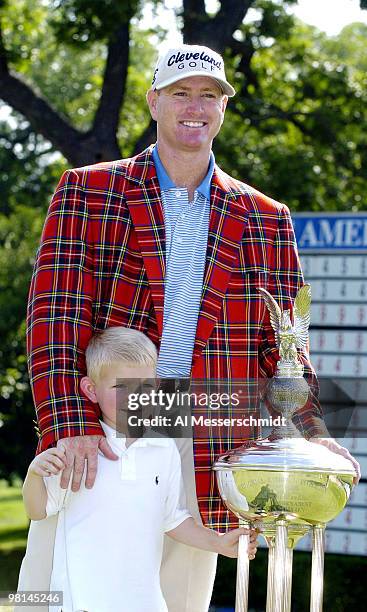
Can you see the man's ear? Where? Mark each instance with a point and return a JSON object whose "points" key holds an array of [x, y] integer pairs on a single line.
{"points": [[152, 98], [89, 389]]}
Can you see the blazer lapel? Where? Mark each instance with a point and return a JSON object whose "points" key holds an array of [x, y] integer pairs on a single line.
{"points": [[228, 219], [143, 198]]}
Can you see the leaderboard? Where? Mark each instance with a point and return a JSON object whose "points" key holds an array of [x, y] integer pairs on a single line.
{"points": [[333, 252]]}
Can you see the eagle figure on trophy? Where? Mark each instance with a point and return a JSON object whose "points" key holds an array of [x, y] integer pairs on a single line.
{"points": [[289, 337]]}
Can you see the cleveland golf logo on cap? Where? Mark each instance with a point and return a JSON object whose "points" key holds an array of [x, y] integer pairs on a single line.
{"points": [[187, 61], [194, 57]]}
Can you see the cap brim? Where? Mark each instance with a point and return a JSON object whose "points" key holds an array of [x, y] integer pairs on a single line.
{"points": [[226, 87]]}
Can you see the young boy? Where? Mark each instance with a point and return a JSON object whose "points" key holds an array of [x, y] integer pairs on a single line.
{"points": [[109, 539]]}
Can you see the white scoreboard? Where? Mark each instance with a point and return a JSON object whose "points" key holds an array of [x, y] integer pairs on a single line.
{"points": [[333, 251]]}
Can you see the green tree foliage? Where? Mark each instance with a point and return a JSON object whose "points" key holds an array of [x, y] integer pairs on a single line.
{"points": [[81, 21], [19, 235], [27, 180], [69, 81], [297, 131]]}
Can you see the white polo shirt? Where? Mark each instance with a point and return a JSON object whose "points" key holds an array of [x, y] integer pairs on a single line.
{"points": [[109, 539]]}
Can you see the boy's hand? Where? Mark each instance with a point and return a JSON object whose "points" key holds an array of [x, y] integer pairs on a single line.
{"points": [[51, 461], [229, 542]]}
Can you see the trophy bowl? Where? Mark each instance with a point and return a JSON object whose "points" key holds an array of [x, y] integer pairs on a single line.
{"points": [[283, 488], [292, 478]]}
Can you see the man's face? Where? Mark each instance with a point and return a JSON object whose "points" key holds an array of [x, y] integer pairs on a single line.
{"points": [[189, 113]]}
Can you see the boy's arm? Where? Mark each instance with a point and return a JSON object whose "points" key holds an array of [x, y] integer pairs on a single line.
{"points": [[180, 526], [35, 495], [192, 534]]}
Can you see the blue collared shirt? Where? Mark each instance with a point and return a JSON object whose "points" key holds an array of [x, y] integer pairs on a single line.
{"points": [[186, 227]]}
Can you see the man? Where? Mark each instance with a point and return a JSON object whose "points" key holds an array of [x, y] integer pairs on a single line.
{"points": [[169, 244]]}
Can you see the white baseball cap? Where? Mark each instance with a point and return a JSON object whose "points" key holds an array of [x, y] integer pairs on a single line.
{"points": [[190, 60]]}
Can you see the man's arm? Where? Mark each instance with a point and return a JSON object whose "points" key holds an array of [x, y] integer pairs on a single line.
{"points": [[59, 326], [59, 322]]}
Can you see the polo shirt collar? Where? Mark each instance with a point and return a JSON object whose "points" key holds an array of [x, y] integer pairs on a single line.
{"points": [[150, 438], [165, 182]]}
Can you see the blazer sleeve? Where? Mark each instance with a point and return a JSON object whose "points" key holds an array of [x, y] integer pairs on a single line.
{"points": [[59, 316], [283, 283]]}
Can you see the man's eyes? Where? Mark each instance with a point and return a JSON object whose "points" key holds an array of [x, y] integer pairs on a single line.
{"points": [[184, 94]]}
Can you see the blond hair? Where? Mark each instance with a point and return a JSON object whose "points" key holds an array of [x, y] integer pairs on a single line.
{"points": [[118, 344]]}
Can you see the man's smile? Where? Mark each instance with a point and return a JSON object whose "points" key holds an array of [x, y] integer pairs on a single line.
{"points": [[193, 124]]}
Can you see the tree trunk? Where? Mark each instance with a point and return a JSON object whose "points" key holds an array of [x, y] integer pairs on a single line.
{"points": [[100, 142]]}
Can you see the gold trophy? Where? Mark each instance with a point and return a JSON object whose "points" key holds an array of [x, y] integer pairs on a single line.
{"points": [[284, 485]]}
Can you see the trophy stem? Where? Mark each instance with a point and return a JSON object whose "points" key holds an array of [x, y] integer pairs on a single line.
{"points": [[243, 569], [271, 569], [288, 579], [317, 572], [279, 585]]}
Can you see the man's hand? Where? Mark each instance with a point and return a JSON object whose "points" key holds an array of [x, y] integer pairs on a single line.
{"points": [[333, 445], [77, 450]]}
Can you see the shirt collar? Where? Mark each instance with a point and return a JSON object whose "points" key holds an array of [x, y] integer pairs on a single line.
{"points": [[165, 182], [150, 437]]}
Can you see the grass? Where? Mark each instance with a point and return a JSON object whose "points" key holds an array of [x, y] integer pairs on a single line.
{"points": [[13, 535]]}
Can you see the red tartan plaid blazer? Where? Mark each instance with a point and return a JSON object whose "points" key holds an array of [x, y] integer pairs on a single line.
{"points": [[101, 263]]}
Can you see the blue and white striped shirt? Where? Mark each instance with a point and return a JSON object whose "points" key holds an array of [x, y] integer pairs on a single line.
{"points": [[186, 227]]}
